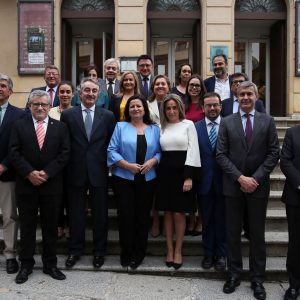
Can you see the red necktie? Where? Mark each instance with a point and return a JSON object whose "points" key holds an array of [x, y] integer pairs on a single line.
{"points": [[248, 129], [51, 96], [40, 133]]}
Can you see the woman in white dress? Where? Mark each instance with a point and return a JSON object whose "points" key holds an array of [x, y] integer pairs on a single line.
{"points": [[177, 172]]}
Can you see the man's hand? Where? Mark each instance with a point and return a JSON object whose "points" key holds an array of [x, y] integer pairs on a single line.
{"points": [[36, 178], [187, 185], [2, 169], [44, 175], [248, 184]]}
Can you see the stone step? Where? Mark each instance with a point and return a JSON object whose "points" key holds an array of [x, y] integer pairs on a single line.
{"points": [[277, 182], [154, 265], [286, 121], [276, 244], [275, 200]]}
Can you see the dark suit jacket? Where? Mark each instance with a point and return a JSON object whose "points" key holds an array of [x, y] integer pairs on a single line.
{"points": [[114, 105], [210, 83], [11, 115], [103, 86], [227, 107], [236, 158], [141, 85], [290, 166], [210, 172], [26, 155], [88, 158]]}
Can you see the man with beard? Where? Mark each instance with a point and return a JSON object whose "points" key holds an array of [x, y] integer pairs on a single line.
{"points": [[247, 152], [110, 84], [90, 128], [221, 82]]}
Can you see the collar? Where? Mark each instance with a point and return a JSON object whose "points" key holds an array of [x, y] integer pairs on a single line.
{"points": [[48, 88], [252, 112], [217, 121], [107, 81], [235, 98], [4, 106], [222, 80], [46, 120], [91, 108]]}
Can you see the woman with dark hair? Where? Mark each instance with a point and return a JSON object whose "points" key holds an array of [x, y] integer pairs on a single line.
{"points": [[176, 174], [129, 86], [132, 155], [160, 87], [182, 77], [91, 71], [195, 91]]}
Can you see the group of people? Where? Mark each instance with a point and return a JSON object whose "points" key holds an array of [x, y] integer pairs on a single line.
{"points": [[201, 145]]}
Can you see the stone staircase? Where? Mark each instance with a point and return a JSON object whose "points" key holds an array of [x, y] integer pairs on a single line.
{"points": [[276, 238]]}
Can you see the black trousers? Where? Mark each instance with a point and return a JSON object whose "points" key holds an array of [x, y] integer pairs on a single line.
{"points": [[77, 214], [256, 208], [134, 202], [28, 206], [293, 256]]}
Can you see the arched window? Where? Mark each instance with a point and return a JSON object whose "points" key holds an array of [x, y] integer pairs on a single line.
{"points": [[263, 6], [173, 5], [88, 5]]}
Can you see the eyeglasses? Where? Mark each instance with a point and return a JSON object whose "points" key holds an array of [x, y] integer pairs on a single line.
{"points": [[214, 105], [237, 81], [38, 104], [145, 66], [194, 86]]}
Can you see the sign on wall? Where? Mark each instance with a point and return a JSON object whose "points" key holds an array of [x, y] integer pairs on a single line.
{"points": [[35, 36]]}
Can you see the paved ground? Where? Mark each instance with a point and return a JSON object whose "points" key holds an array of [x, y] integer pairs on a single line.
{"points": [[83, 285]]}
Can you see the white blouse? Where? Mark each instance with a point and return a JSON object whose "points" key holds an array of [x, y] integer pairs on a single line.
{"points": [[182, 136]]}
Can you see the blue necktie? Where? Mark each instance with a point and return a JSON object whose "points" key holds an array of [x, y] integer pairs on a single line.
{"points": [[145, 86], [88, 123], [213, 135]]}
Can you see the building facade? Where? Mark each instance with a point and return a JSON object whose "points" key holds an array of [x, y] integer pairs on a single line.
{"points": [[259, 37]]}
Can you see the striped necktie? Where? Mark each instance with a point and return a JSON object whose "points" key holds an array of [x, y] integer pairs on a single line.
{"points": [[213, 135], [40, 133]]}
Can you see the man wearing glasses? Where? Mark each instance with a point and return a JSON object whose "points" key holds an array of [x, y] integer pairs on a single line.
{"points": [[145, 76], [231, 105], [52, 80], [39, 148]]}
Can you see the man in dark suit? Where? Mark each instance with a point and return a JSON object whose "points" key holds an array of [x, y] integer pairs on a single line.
{"points": [[231, 105], [39, 149], [209, 190], [8, 115], [247, 152], [110, 85], [220, 83], [52, 80], [290, 166], [144, 74], [90, 128]]}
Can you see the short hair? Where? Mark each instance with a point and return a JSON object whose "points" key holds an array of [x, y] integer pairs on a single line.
{"points": [[222, 55], [88, 79], [239, 74], [151, 98], [137, 84], [112, 60], [146, 118], [188, 100], [163, 118], [144, 56], [90, 68], [247, 84], [66, 82], [8, 80], [178, 73], [212, 94], [51, 67], [39, 94]]}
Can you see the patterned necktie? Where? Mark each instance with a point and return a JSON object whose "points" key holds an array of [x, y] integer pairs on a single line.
{"points": [[88, 123], [40, 133], [213, 135], [145, 86], [248, 129], [110, 89], [50, 91]]}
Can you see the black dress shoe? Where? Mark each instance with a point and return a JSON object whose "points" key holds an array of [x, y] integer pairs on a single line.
{"points": [[54, 273], [98, 261], [12, 266], [258, 290], [220, 263], [23, 275], [230, 285], [207, 262], [177, 266], [246, 235], [71, 260], [291, 293], [169, 264]]}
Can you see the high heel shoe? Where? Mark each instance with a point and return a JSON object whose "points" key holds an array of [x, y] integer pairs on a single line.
{"points": [[169, 264], [177, 266]]}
